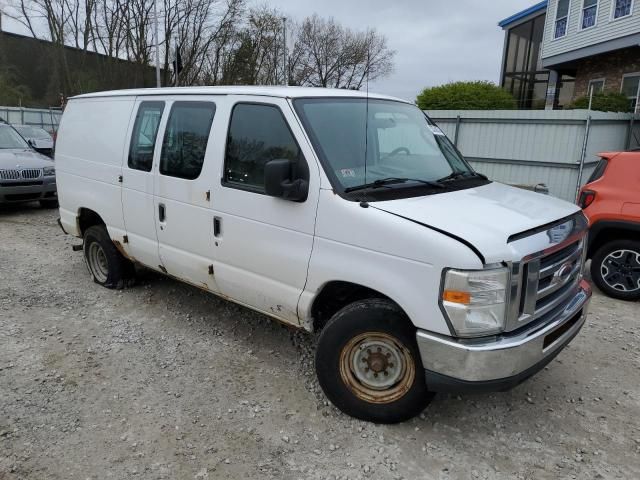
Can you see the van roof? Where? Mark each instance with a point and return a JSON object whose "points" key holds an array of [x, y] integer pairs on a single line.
{"points": [[282, 92]]}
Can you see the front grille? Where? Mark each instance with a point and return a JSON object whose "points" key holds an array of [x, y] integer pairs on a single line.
{"points": [[31, 173], [549, 281], [27, 174], [9, 174], [547, 278]]}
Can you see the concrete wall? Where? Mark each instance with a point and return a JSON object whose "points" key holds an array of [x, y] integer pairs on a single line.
{"points": [[536, 146]]}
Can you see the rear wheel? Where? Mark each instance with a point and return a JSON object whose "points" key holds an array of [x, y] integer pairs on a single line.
{"points": [[107, 265], [615, 269], [368, 363]]}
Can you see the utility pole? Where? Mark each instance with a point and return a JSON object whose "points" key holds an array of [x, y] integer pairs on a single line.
{"points": [[176, 67], [284, 35], [155, 26]]}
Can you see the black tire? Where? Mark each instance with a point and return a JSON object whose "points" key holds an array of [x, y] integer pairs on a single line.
{"points": [[604, 265], [106, 264], [369, 320], [49, 203]]}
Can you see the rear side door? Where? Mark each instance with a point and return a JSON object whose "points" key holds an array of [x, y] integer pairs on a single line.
{"points": [[263, 244], [137, 183], [182, 191]]}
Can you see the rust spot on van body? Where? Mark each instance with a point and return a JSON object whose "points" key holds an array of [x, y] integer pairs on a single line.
{"points": [[121, 249]]}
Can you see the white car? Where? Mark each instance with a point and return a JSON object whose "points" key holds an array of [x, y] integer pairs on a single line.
{"points": [[333, 211], [38, 138]]}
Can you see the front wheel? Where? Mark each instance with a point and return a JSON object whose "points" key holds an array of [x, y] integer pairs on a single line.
{"points": [[368, 363], [615, 269]]}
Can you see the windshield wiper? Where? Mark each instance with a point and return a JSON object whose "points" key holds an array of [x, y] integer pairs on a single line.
{"points": [[457, 175], [391, 180]]}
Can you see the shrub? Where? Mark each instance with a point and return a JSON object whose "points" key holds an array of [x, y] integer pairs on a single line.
{"points": [[479, 95], [604, 102]]}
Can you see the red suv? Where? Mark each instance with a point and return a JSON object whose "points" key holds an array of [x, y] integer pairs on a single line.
{"points": [[611, 201]]}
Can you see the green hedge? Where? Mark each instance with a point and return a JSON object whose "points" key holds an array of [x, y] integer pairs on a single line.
{"points": [[479, 95], [604, 102]]}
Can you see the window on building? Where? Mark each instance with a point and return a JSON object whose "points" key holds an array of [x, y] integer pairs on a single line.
{"points": [[622, 8], [589, 13], [562, 16], [596, 85], [523, 75], [631, 88], [143, 137], [185, 139], [257, 134]]}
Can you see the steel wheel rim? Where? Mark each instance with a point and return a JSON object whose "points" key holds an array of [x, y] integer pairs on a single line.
{"points": [[620, 270], [364, 361], [98, 263]]}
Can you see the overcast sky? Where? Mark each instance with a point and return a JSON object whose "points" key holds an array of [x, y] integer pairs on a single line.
{"points": [[436, 41]]}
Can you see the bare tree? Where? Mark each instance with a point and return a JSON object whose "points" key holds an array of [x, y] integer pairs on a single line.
{"points": [[257, 57], [326, 54], [198, 28]]}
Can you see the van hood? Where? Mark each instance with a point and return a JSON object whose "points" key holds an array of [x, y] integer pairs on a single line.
{"points": [[484, 216], [21, 158]]}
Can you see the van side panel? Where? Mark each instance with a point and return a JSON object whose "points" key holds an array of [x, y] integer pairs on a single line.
{"points": [[89, 152]]}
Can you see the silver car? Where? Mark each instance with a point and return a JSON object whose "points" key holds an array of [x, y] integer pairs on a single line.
{"points": [[37, 137], [25, 175]]}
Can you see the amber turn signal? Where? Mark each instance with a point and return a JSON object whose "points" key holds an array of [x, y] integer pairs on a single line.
{"points": [[456, 297]]}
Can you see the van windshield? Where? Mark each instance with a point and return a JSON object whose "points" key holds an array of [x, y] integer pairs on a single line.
{"points": [[373, 143]]}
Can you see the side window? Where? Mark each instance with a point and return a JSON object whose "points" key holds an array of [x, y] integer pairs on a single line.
{"points": [[143, 137], [185, 139], [562, 18], [258, 134]]}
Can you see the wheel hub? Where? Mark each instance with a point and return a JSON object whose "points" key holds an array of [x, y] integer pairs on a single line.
{"points": [[621, 270], [376, 367]]}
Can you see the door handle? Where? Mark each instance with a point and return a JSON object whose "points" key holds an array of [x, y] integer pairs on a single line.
{"points": [[162, 212], [217, 226]]}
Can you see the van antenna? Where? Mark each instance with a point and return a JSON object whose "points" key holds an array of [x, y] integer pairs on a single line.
{"points": [[366, 121]]}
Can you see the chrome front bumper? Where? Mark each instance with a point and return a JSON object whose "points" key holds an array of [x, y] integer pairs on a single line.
{"points": [[504, 361]]}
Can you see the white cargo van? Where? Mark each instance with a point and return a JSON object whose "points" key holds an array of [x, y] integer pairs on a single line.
{"points": [[335, 212]]}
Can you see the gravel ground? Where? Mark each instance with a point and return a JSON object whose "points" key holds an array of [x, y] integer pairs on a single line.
{"points": [[166, 381]]}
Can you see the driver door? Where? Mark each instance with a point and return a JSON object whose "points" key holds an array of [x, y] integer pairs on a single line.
{"points": [[262, 244]]}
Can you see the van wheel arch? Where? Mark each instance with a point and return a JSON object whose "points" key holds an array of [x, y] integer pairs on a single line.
{"points": [[335, 295], [88, 218]]}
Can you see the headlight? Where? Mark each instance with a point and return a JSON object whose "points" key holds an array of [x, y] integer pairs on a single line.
{"points": [[49, 171], [475, 300]]}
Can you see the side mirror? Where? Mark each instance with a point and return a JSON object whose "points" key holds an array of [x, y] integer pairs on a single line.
{"points": [[31, 143], [278, 181]]}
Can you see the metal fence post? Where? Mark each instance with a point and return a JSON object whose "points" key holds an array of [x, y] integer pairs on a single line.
{"points": [[455, 135], [627, 143], [583, 156]]}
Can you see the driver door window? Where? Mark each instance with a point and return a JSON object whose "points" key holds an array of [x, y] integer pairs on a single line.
{"points": [[257, 134]]}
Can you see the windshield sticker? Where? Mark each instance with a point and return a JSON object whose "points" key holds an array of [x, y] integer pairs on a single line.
{"points": [[347, 172], [435, 130]]}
